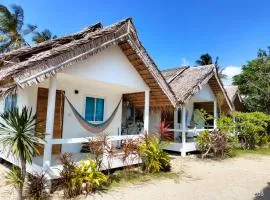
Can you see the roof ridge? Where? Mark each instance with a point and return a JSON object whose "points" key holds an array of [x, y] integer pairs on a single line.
{"points": [[174, 68], [178, 73]]}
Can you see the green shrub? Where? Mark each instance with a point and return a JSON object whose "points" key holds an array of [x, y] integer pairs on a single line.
{"points": [[217, 144], [203, 142], [225, 124], [83, 178], [250, 127], [233, 145], [155, 159], [87, 177]]}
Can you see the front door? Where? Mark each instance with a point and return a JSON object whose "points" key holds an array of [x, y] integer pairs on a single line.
{"points": [[42, 102]]}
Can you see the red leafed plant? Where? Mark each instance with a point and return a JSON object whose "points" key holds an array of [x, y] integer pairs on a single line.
{"points": [[164, 134]]}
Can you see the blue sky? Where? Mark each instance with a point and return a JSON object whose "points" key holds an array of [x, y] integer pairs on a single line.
{"points": [[173, 32]]}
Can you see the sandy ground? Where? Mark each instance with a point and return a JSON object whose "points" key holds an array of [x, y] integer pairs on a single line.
{"points": [[242, 178]]}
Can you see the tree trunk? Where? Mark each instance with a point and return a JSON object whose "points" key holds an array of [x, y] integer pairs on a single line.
{"points": [[23, 173]]}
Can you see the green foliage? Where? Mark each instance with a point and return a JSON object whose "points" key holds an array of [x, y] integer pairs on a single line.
{"points": [[206, 59], [216, 143], [36, 186], [83, 178], [12, 34], [155, 159], [18, 135], [43, 36], [225, 124], [87, 174], [14, 178], [203, 141], [254, 83], [201, 116], [250, 127]]}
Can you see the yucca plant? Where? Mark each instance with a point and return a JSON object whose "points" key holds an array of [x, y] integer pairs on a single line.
{"points": [[155, 159], [14, 178], [19, 137]]}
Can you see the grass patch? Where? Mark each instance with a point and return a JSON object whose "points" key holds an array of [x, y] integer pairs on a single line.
{"points": [[258, 151], [136, 176]]}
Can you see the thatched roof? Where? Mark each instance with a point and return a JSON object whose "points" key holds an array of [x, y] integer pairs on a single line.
{"points": [[234, 96], [187, 81], [31, 65]]}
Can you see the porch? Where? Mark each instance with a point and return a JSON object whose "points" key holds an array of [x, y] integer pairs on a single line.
{"points": [[186, 123]]}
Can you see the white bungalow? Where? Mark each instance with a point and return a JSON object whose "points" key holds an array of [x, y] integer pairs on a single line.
{"points": [[94, 69], [194, 88]]}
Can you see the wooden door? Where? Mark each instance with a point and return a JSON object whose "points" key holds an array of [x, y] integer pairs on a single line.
{"points": [[42, 102]]}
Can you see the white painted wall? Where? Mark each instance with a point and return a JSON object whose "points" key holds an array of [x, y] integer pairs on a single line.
{"points": [[204, 95], [109, 66], [154, 120], [108, 74]]}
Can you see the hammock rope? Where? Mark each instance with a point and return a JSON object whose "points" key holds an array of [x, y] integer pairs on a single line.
{"points": [[92, 127]]}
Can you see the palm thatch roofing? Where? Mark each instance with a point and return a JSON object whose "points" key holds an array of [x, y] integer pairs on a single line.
{"points": [[187, 81], [234, 96], [31, 65]]}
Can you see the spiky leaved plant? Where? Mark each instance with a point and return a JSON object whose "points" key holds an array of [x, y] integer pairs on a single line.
{"points": [[19, 136]]}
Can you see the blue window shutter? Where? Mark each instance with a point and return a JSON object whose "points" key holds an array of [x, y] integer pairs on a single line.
{"points": [[89, 109], [99, 109], [7, 103], [14, 101]]}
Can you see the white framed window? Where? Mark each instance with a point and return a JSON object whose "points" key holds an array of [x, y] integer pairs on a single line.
{"points": [[94, 109], [10, 102]]}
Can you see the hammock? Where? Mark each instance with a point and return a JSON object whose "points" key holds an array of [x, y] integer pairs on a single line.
{"points": [[92, 127]]}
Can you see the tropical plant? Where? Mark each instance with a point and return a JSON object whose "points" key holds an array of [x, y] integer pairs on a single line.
{"points": [[14, 178], [12, 34], [155, 159], [250, 127], [163, 132], [42, 36], [216, 143], [87, 177], [18, 135], [36, 186], [253, 83], [225, 124], [67, 174], [206, 59], [201, 116], [130, 150]]}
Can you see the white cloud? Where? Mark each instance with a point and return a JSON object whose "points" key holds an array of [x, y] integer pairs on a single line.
{"points": [[185, 62], [231, 71]]}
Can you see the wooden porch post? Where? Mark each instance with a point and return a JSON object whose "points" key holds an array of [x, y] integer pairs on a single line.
{"points": [[215, 114], [49, 123], [146, 110], [183, 127]]}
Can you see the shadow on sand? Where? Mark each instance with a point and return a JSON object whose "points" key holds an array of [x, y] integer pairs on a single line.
{"points": [[264, 194]]}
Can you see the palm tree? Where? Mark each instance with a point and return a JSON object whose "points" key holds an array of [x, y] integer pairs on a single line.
{"points": [[43, 36], [206, 59], [11, 28], [19, 137]]}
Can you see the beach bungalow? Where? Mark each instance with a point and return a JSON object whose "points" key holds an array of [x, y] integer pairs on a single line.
{"points": [[195, 88], [78, 84], [102, 80]]}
